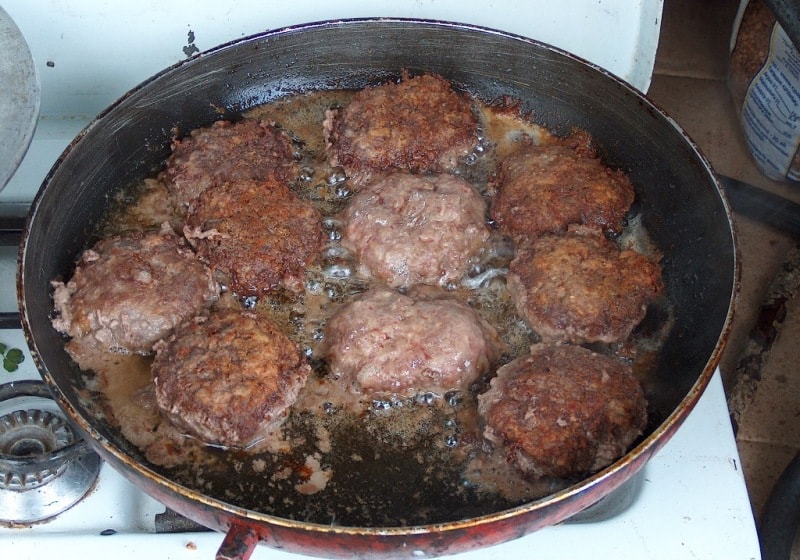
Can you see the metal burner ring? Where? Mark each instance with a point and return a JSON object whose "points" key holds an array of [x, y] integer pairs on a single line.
{"points": [[44, 467], [30, 435]]}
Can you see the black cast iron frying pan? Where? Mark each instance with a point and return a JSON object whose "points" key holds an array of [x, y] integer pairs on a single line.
{"points": [[677, 195]]}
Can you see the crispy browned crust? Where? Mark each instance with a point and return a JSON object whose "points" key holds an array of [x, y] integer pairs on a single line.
{"points": [[228, 378], [250, 149], [259, 236], [546, 188], [563, 410], [579, 287], [419, 124]]}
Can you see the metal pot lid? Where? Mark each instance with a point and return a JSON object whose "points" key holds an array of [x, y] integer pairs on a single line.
{"points": [[19, 97]]}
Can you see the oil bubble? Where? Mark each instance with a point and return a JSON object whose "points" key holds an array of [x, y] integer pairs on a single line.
{"points": [[334, 292], [330, 222], [454, 398], [306, 174], [296, 317], [343, 191], [336, 177], [379, 404], [338, 271], [314, 284]]}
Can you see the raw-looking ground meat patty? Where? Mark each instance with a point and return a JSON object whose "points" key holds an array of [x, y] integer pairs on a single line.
{"points": [[251, 149], [257, 236], [410, 229], [228, 378], [545, 188], [419, 124], [579, 287], [130, 290], [385, 342], [563, 410]]}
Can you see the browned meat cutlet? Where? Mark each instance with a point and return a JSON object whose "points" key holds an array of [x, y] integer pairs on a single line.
{"points": [[228, 378], [257, 236], [409, 229], [563, 411], [579, 287], [250, 149], [130, 290], [545, 188], [419, 124], [387, 343]]}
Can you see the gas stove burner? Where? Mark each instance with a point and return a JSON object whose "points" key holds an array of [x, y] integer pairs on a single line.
{"points": [[44, 467], [32, 433]]}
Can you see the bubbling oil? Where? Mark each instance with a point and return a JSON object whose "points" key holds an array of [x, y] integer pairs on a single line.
{"points": [[343, 458]]}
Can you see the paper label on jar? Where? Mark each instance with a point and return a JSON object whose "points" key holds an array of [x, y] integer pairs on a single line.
{"points": [[771, 110]]}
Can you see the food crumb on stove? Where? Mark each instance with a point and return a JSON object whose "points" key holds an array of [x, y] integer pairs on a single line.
{"points": [[191, 545]]}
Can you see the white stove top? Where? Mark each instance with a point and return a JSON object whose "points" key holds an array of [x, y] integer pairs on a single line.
{"points": [[689, 501]]}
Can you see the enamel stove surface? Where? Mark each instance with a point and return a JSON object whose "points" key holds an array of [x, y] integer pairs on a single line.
{"points": [[689, 501]]}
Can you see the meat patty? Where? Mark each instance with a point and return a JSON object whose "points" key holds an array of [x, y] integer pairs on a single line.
{"points": [[258, 236], [410, 229], [545, 188], [130, 290], [563, 410], [388, 343], [419, 124], [228, 378], [579, 287], [250, 149]]}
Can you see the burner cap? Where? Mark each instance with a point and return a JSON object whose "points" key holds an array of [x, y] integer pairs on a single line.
{"points": [[44, 468]]}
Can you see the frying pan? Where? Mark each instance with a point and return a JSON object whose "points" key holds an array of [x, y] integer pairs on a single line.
{"points": [[678, 199]]}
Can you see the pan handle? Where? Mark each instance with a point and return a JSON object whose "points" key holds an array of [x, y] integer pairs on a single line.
{"points": [[239, 543]]}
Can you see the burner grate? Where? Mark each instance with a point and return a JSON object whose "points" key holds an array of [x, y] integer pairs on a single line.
{"points": [[31, 435], [44, 468]]}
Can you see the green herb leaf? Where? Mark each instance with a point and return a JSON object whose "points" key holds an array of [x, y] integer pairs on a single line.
{"points": [[11, 357], [15, 355]]}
